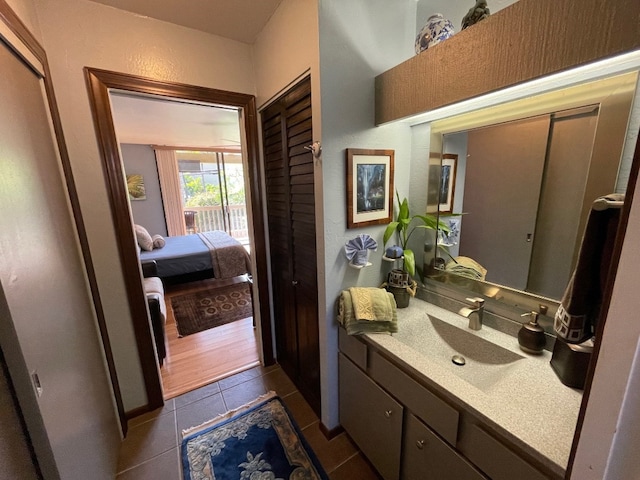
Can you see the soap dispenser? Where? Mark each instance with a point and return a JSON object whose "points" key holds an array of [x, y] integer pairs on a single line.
{"points": [[531, 336]]}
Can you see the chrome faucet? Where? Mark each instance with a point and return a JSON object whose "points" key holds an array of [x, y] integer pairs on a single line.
{"points": [[474, 312]]}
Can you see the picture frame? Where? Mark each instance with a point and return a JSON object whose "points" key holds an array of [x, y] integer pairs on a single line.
{"points": [[135, 186], [369, 187], [446, 190]]}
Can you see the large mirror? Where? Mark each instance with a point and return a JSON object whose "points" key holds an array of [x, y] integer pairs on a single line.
{"points": [[524, 176]]}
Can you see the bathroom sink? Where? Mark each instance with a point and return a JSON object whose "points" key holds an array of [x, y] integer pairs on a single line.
{"points": [[484, 362]]}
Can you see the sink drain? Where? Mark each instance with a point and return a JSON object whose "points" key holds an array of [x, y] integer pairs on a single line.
{"points": [[458, 360]]}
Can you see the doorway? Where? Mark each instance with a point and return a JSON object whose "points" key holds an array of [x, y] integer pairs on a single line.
{"points": [[101, 84]]}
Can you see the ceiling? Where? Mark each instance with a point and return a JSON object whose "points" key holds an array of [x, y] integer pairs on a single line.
{"points": [[152, 121], [240, 20]]}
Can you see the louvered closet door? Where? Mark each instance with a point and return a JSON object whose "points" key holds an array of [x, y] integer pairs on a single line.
{"points": [[292, 235]]}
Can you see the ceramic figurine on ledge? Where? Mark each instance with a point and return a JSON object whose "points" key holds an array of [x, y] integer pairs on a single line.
{"points": [[478, 12]]}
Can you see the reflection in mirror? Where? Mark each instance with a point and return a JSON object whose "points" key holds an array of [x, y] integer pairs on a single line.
{"points": [[526, 185]]}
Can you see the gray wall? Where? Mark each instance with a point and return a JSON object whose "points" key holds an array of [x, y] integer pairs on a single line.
{"points": [[358, 40], [149, 212]]}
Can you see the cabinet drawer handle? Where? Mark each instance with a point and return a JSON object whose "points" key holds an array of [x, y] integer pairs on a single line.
{"points": [[388, 413], [420, 444]]}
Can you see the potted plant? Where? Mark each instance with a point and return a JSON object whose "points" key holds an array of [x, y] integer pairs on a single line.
{"points": [[400, 281]]}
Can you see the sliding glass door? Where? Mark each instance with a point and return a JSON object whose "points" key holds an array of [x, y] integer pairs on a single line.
{"points": [[213, 194]]}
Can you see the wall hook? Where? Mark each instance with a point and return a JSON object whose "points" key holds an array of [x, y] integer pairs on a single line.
{"points": [[315, 148]]}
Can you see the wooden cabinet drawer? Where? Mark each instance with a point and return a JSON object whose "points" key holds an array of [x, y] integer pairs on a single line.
{"points": [[372, 418], [436, 413], [353, 347], [495, 459], [425, 456]]}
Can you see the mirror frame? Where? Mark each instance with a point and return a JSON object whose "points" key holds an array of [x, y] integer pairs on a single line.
{"points": [[615, 97]]}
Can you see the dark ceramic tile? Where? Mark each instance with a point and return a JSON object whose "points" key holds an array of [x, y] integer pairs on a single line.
{"points": [[148, 440], [356, 468], [169, 406], [302, 413], [242, 377], [195, 413], [331, 453], [197, 394], [237, 396], [163, 467], [279, 382]]}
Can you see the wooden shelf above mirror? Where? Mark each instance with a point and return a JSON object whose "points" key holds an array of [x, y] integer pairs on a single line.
{"points": [[508, 48]]}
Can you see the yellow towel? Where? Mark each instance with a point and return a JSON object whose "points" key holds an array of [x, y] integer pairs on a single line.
{"points": [[371, 304]]}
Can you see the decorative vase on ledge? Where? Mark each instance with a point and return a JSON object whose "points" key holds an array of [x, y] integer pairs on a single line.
{"points": [[434, 31]]}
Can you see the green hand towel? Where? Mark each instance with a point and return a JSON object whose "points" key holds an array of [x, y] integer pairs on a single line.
{"points": [[353, 326]]}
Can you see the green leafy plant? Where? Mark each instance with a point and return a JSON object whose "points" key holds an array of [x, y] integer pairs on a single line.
{"points": [[405, 225]]}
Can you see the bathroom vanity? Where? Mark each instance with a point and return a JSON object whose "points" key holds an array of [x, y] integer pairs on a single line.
{"points": [[415, 414]]}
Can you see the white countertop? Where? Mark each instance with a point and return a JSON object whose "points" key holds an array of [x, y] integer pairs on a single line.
{"points": [[527, 402]]}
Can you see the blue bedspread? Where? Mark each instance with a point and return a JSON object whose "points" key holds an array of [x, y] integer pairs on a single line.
{"points": [[180, 255]]}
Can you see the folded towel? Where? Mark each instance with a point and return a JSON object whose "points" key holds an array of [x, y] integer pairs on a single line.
{"points": [[466, 267], [371, 304], [384, 313]]}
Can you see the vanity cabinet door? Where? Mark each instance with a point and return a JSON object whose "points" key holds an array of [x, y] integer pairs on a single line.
{"points": [[372, 418], [426, 456]]}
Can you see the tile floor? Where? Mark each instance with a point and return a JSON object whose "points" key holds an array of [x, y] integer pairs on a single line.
{"points": [[152, 447]]}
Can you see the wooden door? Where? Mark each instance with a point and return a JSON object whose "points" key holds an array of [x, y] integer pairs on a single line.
{"points": [[286, 130]]}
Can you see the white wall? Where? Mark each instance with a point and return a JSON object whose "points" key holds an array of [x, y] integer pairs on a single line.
{"points": [[141, 159], [78, 33], [47, 316], [286, 48], [26, 10], [604, 427], [358, 40]]}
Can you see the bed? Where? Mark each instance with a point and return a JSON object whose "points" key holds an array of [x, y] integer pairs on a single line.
{"points": [[201, 255]]}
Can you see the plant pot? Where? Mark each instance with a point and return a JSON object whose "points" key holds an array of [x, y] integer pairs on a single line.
{"points": [[398, 278], [401, 295]]}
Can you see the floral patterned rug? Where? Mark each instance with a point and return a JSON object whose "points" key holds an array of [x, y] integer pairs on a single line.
{"points": [[257, 441]]}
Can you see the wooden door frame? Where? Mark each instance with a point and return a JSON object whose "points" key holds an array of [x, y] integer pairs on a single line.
{"points": [[99, 83]]}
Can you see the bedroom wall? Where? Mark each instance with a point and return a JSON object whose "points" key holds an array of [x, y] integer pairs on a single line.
{"points": [[78, 33], [141, 159]]}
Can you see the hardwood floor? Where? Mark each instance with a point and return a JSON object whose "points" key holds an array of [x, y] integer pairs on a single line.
{"points": [[205, 357]]}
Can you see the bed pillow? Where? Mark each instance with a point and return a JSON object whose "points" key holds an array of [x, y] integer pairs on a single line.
{"points": [[144, 239], [158, 241]]}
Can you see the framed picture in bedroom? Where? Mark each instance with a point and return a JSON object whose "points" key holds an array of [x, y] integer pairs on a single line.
{"points": [[447, 183], [369, 187], [135, 186]]}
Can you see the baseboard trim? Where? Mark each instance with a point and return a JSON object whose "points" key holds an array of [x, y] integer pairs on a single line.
{"points": [[136, 412], [329, 434]]}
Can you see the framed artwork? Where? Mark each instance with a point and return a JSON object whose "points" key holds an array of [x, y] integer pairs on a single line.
{"points": [[369, 187], [135, 186], [447, 183]]}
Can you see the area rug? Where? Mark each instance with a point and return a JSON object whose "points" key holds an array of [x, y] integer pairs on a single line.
{"points": [[205, 309], [257, 441]]}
